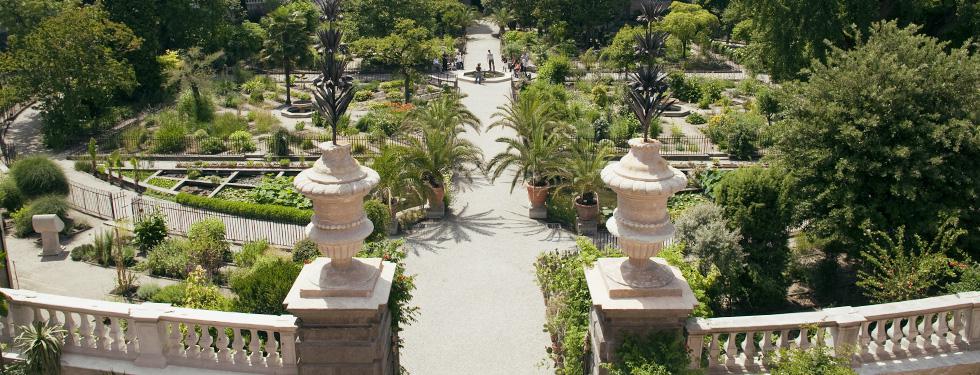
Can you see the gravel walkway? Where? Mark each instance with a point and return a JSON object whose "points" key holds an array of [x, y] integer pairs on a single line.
{"points": [[481, 309]]}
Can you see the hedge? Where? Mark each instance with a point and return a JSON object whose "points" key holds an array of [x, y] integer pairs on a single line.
{"points": [[249, 210]]}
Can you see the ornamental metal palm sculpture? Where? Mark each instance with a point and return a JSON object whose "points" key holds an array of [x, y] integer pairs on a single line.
{"points": [[333, 91], [648, 97]]}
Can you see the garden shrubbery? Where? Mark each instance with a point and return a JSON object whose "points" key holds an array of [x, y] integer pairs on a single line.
{"points": [[305, 250], [150, 231], [169, 258], [10, 197], [51, 204], [737, 133], [208, 247], [35, 176], [251, 252], [380, 217], [262, 287], [269, 212]]}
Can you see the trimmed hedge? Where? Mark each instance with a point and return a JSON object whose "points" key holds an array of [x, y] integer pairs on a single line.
{"points": [[269, 212]]}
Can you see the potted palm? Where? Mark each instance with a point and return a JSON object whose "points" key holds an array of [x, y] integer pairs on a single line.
{"points": [[439, 152], [398, 182], [582, 176], [534, 151]]}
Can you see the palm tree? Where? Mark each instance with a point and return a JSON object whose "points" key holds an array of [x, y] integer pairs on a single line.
{"points": [[536, 149], [502, 17], [439, 152], [289, 30], [41, 344], [398, 181], [194, 72], [582, 175]]}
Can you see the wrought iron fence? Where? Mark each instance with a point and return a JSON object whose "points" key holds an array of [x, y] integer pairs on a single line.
{"points": [[99, 203], [179, 219]]}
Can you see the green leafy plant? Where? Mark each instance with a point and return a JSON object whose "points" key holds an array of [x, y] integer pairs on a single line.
{"points": [[208, 247], [659, 353], [251, 252], [380, 217], [262, 287], [10, 197], [535, 149], [269, 212], [305, 251], [150, 231], [169, 258], [200, 293], [279, 191], [581, 173], [37, 175], [814, 361], [899, 266], [695, 118], [41, 345], [51, 204]]}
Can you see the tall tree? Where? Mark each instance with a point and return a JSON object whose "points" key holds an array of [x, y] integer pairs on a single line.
{"points": [[687, 23], [289, 30], [194, 71], [73, 63], [19, 17], [885, 135], [409, 48]]}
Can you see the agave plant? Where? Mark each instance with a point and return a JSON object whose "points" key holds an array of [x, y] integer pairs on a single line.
{"points": [[535, 150], [648, 97], [333, 90], [41, 345]]}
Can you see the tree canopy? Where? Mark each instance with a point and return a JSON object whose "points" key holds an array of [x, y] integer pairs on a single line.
{"points": [[687, 23], [72, 62], [884, 135]]}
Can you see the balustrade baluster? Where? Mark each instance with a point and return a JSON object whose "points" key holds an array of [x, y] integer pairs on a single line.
{"points": [[783, 339], [178, 347], [118, 343], [70, 340], [912, 334], [129, 336], [101, 341], [896, 337], [942, 328], [748, 348], [87, 336], [803, 341], [880, 335], [195, 341], [928, 328], [272, 358], [207, 344], [959, 322], [238, 346], [766, 344], [255, 351], [864, 339], [731, 353], [224, 355]]}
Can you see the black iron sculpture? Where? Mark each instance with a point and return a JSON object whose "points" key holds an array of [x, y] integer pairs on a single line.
{"points": [[333, 90], [648, 96]]}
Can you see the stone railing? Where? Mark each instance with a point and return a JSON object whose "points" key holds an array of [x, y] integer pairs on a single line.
{"points": [[869, 334], [158, 335]]}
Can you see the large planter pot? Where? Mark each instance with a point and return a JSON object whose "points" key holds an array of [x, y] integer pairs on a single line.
{"points": [[537, 195], [586, 212], [437, 206]]}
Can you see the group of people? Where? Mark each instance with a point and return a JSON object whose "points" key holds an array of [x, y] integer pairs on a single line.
{"points": [[449, 61]]}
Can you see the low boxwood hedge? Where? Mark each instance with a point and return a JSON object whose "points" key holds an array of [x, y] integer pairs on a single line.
{"points": [[250, 210]]}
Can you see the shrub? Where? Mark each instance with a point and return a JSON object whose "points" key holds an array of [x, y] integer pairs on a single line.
{"points": [[82, 252], [169, 259], [256, 97], [279, 143], [226, 124], [305, 250], [241, 142], [269, 212], [250, 252], [84, 166], [682, 88], [147, 291], [388, 85], [200, 293], [264, 121], [262, 287], [208, 247], [51, 204], [817, 360], [150, 231], [736, 133], [169, 136], [556, 69], [37, 175], [657, 353], [172, 294], [299, 126], [363, 95], [696, 119], [211, 146], [10, 197], [380, 216], [200, 110]]}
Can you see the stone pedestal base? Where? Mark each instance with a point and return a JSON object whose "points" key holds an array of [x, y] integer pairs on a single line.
{"points": [[587, 227], [538, 212], [343, 334], [49, 244], [625, 301], [435, 212]]}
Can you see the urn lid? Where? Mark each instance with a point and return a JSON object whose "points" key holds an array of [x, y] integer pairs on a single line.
{"points": [[336, 173], [643, 170]]}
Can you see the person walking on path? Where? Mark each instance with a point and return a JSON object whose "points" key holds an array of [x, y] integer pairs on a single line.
{"points": [[479, 74], [490, 61], [445, 61], [459, 60]]}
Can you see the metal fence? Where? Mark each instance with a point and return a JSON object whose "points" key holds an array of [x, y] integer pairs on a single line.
{"points": [[603, 239], [121, 206], [179, 219], [7, 116]]}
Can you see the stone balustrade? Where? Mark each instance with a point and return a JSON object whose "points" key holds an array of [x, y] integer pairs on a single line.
{"points": [[869, 334], [158, 335]]}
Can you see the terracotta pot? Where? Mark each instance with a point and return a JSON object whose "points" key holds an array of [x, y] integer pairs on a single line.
{"points": [[537, 194], [436, 195], [586, 212]]}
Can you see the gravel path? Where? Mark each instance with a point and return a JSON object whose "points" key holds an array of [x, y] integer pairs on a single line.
{"points": [[481, 309]]}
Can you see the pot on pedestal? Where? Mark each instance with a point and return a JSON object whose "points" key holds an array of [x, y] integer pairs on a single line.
{"points": [[537, 195], [437, 202]]}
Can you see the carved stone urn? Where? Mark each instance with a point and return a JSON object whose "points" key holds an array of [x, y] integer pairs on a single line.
{"points": [[643, 181], [337, 185]]}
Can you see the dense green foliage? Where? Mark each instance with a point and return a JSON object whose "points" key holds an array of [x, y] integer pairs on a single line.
{"points": [[56, 62], [885, 135], [169, 258], [707, 236], [687, 23], [581, 22], [380, 217], [261, 288], [208, 247], [279, 191], [49, 204], [659, 353], [41, 347], [150, 231], [305, 251], [10, 196], [251, 252], [37, 175], [815, 361]]}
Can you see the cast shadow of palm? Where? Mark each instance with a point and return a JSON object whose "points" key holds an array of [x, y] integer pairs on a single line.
{"points": [[457, 226]]}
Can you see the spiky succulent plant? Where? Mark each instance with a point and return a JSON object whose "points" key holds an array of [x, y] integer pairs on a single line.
{"points": [[648, 96], [333, 90]]}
